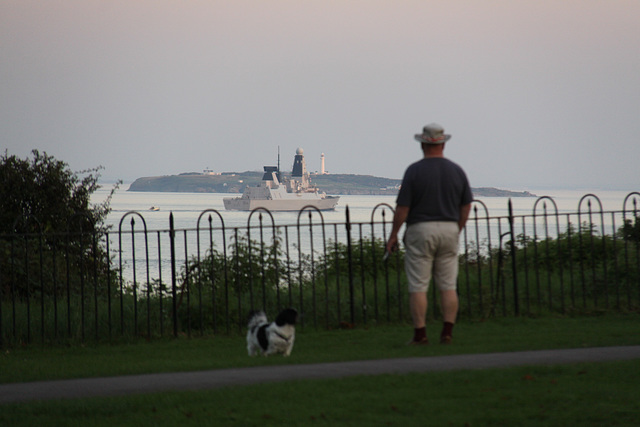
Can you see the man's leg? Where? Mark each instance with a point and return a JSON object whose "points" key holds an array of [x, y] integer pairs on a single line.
{"points": [[418, 262], [418, 307], [446, 277], [449, 301]]}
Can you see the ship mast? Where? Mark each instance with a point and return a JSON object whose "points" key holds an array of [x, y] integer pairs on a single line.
{"points": [[278, 172]]}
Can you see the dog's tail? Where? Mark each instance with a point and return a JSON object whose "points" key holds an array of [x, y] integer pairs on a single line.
{"points": [[257, 318]]}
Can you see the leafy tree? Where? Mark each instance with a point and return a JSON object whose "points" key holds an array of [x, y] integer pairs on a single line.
{"points": [[45, 190], [43, 208], [630, 230]]}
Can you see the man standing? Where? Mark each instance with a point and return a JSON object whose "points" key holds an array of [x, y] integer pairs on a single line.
{"points": [[434, 201]]}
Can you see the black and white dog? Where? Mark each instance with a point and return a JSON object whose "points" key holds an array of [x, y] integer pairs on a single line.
{"points": [[264, 337]]}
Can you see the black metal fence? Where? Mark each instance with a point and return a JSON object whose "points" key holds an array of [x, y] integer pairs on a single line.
{"points": [[131, 281]]}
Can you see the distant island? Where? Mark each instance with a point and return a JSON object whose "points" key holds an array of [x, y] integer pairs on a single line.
{"points": [[334, 184]]}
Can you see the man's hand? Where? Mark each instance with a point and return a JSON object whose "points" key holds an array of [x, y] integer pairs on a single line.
{"points": [[398, 219], [392, 243]]}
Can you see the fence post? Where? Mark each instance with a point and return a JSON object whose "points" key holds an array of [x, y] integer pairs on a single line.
{"points": [[514, 268], [1, 300], [350, 264], [172, 240]]}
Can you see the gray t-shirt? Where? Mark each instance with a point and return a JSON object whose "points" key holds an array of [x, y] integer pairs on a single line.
{"points": [[434, 189]]}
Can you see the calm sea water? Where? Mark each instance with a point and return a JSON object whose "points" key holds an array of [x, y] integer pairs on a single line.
{"points": [[186, 207]]}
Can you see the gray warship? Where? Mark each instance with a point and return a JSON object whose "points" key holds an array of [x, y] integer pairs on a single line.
{"points": [[277, 194]]}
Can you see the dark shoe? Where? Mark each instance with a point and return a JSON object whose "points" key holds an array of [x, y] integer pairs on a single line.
{"points": [[446, 339], [422, 341]]}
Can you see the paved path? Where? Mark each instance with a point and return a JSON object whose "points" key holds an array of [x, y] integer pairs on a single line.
{"points": [[203, 380]]}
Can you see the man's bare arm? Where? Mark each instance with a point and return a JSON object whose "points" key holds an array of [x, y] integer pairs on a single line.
{"points": [[464, 215], [402, 212]]}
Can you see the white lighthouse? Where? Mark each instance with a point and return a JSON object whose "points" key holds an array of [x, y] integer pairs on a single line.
{"points": [[322, 164]]}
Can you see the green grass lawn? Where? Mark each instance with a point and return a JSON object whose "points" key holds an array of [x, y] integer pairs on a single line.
{"points": [[590, 394]]}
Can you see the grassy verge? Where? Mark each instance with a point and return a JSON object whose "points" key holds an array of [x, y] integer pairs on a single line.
{"points": [[34, 363], [585, 395], [589, 394]]}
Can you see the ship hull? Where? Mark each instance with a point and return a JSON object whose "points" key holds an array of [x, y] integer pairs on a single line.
{"points": [[280, 205]]}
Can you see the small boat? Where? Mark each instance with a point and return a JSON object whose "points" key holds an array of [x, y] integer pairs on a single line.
{"points": [[275, 194], [154, 208]]}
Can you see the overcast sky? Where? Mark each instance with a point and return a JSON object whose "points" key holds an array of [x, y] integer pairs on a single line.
{"points": [[536, 94]]}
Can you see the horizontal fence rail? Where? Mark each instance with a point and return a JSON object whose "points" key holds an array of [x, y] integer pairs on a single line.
{"points": [[75, 285]]}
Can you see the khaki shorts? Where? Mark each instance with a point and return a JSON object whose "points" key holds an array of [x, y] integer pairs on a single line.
{"points": [[431, 250]]}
